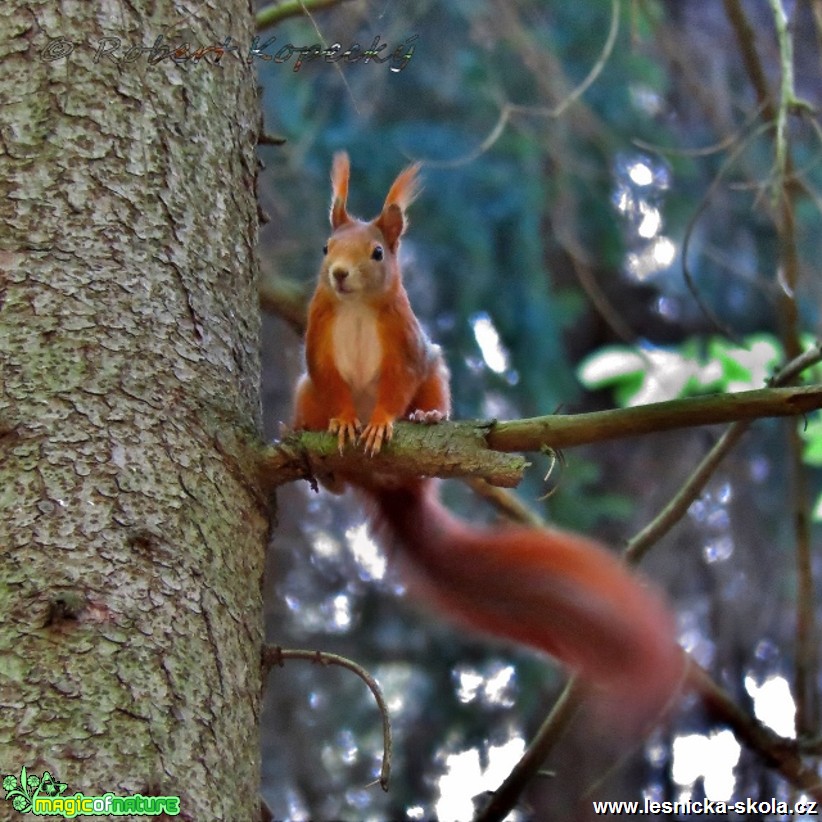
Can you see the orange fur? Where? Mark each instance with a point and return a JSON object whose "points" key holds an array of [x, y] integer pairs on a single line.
{"points": [[369, 364]]}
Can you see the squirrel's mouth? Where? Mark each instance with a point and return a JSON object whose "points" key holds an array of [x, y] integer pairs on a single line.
{"points": [[344, 287]]}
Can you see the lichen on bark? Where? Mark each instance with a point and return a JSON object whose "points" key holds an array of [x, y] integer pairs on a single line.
{"points": [[131, 530]]}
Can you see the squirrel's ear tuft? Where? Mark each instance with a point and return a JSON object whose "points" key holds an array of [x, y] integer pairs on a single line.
{"points": [[392, 221], [405, 188], [340, 172]]}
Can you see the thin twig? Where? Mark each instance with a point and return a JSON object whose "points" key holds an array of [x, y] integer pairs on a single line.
{"points": [[704, 151], [788, 101], [546, 738], [507, 109], [700, 209], [642, 542], [276, 13], [597, 68], [802, 362], [496, 132], [304, 5], [505, 502], [275, 655], [688, 493]]}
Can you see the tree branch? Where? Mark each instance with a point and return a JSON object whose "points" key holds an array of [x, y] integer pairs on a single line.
{"points": [[551, 731], [745, 39], [578, 429], [456, 449], [277, 12], [642, 542], [477, 449], [286, 299], [783, 755]]}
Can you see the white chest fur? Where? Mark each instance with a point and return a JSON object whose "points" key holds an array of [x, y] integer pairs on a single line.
{"points": [[358, 354]]}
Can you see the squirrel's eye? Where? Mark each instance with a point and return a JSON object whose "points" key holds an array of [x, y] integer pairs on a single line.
{"points": [[376, 254], [325, 249]]}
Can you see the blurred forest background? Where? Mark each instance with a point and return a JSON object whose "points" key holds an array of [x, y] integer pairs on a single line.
{"points": [[621, 204]]}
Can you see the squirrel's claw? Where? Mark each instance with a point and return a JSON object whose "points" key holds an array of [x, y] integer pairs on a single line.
{"points": [[374, 435], [344, 429]]}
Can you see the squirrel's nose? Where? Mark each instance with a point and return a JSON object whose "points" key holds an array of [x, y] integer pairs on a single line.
{"points": [[340, 275]]}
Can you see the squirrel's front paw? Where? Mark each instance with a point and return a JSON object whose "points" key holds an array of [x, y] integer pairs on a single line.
{"points": [[374, 435], [426, 417], [345, 428]]}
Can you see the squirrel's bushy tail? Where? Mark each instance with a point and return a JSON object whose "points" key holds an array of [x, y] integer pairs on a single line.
{"points": [[551, 590]]}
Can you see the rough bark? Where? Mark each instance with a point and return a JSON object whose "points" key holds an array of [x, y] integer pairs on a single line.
{"points": [[131, 536]]}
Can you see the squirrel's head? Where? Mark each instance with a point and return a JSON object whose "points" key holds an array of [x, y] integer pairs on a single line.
{"points": [[361, 257]]}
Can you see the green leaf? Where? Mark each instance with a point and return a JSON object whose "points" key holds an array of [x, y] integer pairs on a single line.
{"points": [[812, 435]]}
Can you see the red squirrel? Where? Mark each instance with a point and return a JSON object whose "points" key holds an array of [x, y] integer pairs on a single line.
{"points": [[369, 363]]}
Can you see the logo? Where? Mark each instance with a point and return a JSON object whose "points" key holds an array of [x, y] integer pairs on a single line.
{"points": [[44, 796]]}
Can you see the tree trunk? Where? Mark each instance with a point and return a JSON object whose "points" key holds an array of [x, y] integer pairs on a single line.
{"points": [[131, 529]]}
